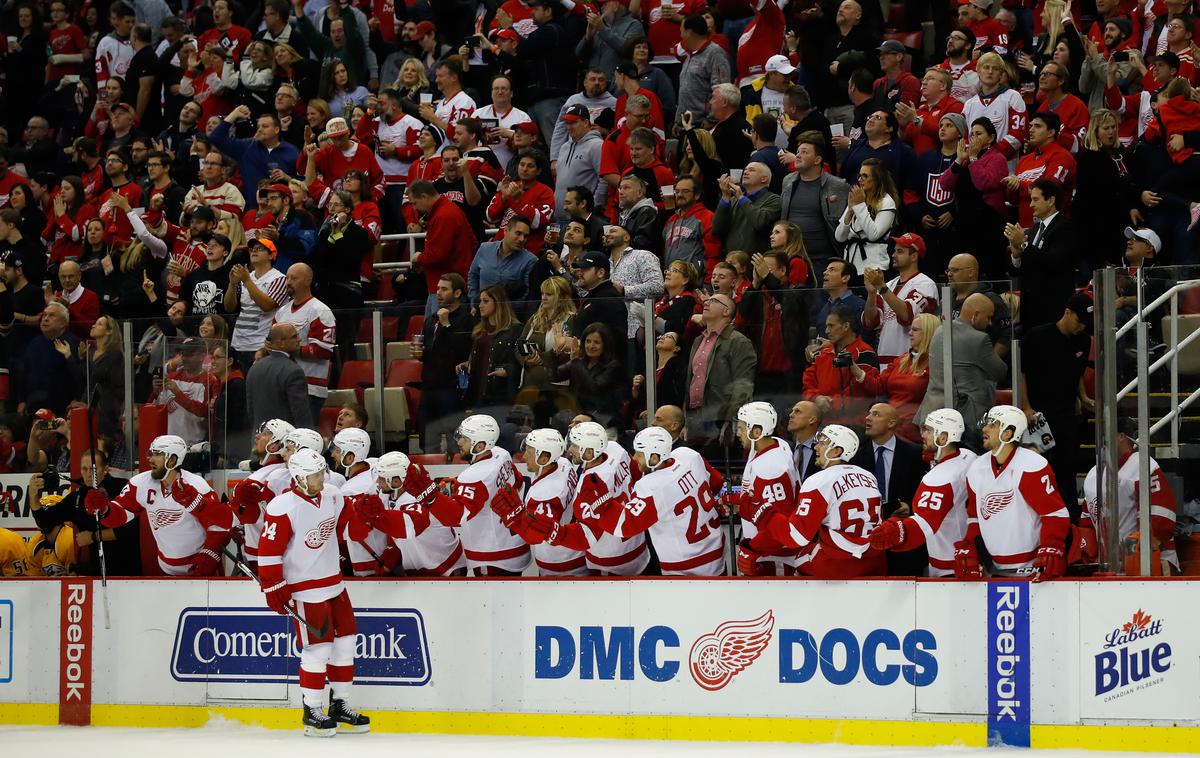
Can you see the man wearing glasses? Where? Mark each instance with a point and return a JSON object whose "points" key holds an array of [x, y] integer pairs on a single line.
{"points": [[961, 65]]}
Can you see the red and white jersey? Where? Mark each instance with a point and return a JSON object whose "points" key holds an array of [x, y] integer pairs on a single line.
{"points": [[113, 56], [1162, 500], [507, 120], [990, 33], [333, 163], [435, 551], [253, 529], [179, 533], [549, 495], [279, 481], [1134, 110], [485, 539], [676, 505], [1006, 110], [762, 38], [402, 135], [315, 323], [1016, 507], [224, 199], [187, 410], [770, 477], [253, 323], [940, 510], [361, 561], [451, 110], [921, 294], [966, 79], [1052, 161], [610, 553], [837, 508], [299, 544]]}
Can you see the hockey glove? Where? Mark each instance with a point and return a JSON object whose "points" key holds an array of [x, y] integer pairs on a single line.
{"points": [[279, 597], [186, 495], [538, 528], [247, 497], [205, 562], [369, 508], [96, 502], [966, 560], [1049, 563], [889, 534], [747, 559], [1083, 546], [508, 506], [419, 484]]}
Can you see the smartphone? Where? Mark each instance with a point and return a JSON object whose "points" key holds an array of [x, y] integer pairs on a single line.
{"points": [[102, 95], [837, 130]]}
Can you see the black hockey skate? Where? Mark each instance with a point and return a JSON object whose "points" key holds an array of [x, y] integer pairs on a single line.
{"points": [[347, 719], [317, 724]]}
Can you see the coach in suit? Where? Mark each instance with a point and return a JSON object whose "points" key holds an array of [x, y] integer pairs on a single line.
{"points": [[976, 367], [276, 386], [803, 422], [1043, 258], [898, 467]]}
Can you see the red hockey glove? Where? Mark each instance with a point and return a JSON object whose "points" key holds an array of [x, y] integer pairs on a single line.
{"points": [[391, 558], [888, 534], [279, 597], [508, 506], [96, 502], [206, 562], [418, 484], [538, 528], [186, 495], [1083, 546], [966, 560], [747, 559], [247, 499], [1049, 563], [369, 508]]}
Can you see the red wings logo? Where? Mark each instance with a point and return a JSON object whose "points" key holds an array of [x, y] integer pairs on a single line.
{"points": [[163, 519], [317, 535], [995, 502], [718, 657]]}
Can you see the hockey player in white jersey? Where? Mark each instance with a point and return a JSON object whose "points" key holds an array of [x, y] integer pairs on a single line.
{"points": [[491, 548], [1162, 505], [831, 520], [551, 491], [252, 493], [301, 439], [427, 548], [939, 512], [299, 569], [189, 523], [1013, 504], [769, 477], [607, 473], [349, 450]]}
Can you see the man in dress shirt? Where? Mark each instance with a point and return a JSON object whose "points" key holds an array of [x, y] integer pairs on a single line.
{"points": [[898, 468], [802, 424]]}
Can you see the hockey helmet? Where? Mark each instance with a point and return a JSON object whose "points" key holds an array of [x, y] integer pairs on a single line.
{"points": [[354, 442], [302, 464], [305, 439], [169, 445], [588, 437], [654, 440], [947, 421], [391, 466], [836, 435], [278, 429], [1007, 417], [476, 429], [761, 414], [543, 441]]}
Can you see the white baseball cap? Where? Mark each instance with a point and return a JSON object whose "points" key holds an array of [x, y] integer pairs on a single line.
{"points": [[780, 64], [1145, 235]]}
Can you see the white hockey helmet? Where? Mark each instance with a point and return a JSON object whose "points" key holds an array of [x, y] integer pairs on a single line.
{"points": [[588, 436], [390, 466], [653, 440], [476, 429], [278, 429], [354, 442], [303, 463], [544, 441], [836, 435], [1007, 417], [947, 421], [168, 445], [761, 414], [305, 439]]}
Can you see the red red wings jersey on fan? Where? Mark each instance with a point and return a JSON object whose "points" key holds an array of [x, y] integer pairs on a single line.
{"points": [[1015, 507], [940, 510]]}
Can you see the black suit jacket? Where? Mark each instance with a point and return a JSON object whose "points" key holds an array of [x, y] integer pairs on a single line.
{"points": [[1047, 273], [907, 469], [812, 467]]}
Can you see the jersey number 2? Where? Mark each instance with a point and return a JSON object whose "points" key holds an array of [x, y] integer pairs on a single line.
{"points": [[696, 530]]}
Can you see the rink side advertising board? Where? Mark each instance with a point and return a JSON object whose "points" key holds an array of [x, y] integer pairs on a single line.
{"points": [[1102, 664]]}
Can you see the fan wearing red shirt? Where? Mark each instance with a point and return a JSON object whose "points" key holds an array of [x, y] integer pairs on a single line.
{"points": [[1071, 111], [525, 197], [919, 126], [232, 38], [8, 179], [1046, 158], [67, 44], [626, 79], [989, 33], [82, 304], [447, 249], [896, 85], [664, 18], [116, 224], [210, 78], [762, 38], [332, 162]]}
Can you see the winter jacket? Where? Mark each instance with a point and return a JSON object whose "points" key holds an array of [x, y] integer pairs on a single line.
{"points": [[645, 230], [688, 236]]}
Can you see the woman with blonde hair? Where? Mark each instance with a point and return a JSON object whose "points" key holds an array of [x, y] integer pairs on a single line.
{"points": [[231, 226], [871, 213], [492, 365], [787, 238], [411, 81], [295, 69], [701, 162], [1105, 193], [128, 287], [318, 114], [905, 380], [543, 336]]}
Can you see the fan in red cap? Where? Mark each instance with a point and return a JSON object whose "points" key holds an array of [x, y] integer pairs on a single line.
{"points": [[892, 306]]}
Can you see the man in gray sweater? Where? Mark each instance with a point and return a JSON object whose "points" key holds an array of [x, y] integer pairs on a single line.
{"points": [[578, 160], [608, 32], [706, 67], [595, 97]]}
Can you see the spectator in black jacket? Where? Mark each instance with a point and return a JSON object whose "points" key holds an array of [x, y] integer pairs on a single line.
{"points": [[445, 343], [491, 367], [601, 302], [639, 215], [595, 376], [337, 262]]}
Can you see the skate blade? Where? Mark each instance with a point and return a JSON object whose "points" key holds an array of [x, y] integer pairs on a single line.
{"points": [[314, 731], [353, 729]]}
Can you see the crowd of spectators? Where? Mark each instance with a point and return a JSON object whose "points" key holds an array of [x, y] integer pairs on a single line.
{"points": [[784, 182]]}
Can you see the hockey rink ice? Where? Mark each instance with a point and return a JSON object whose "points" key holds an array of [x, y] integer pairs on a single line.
{"points": [[235, 739]]}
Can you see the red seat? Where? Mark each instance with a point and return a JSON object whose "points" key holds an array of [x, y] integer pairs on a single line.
{"points": [[387, 289], [357, 376], [403, 372], [390, 325], [1003, 397], [415, 324], [328, 421], [912, 41], [412, 396]]}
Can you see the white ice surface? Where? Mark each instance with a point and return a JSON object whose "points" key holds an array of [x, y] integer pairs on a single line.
{"points": [[236, 740]]}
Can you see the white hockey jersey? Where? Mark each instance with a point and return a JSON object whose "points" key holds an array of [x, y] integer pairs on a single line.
{"points": [[611, 554], [485, 540], [253, 530], [675, 504], [940, 510], [920, 292], [1016, 508], [1162, 500], [1006, 110], [178, 532], [769, 477], [315, 324], [299, 544], [838, 508], [550, 495]]}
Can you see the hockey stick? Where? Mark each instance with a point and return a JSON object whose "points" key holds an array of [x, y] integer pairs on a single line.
{"points": [[99, 527], [729, 514], [312, 630]]}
